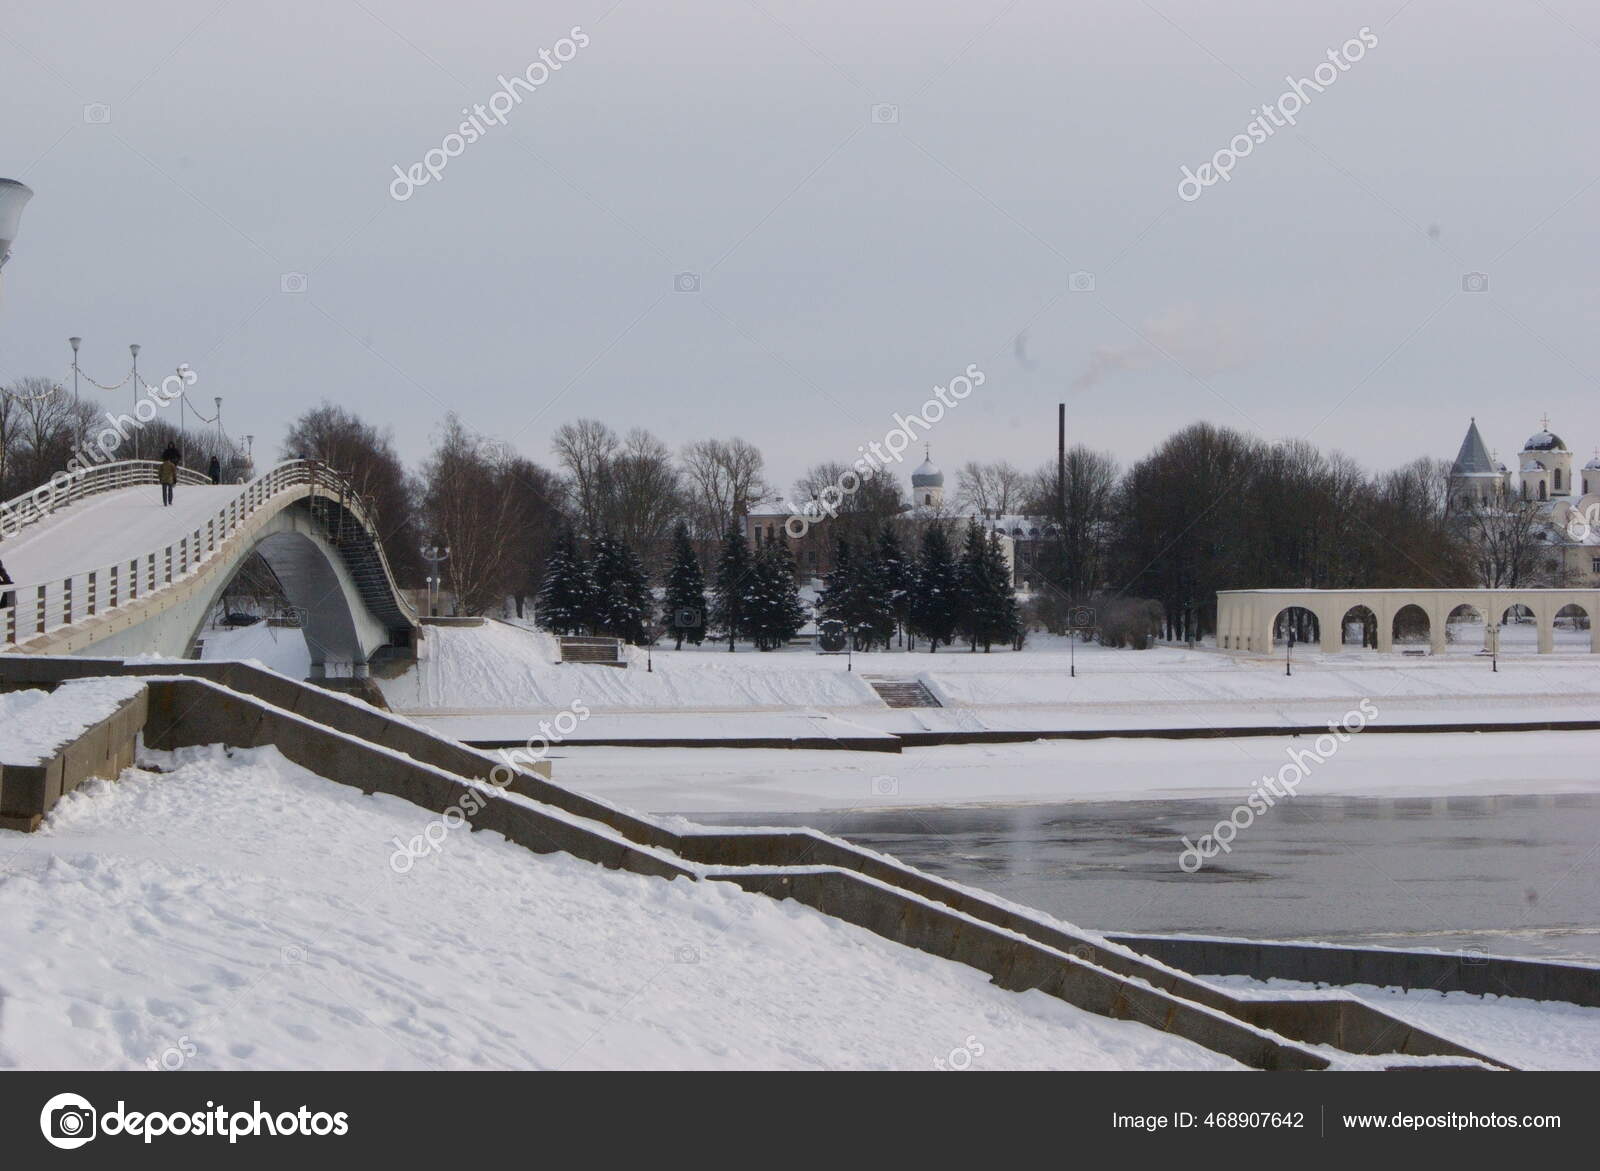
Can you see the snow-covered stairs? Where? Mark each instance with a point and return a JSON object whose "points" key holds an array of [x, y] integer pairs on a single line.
{"points": [[901, 692], [582, 649]]}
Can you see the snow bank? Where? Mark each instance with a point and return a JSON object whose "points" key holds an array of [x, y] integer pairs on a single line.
{"points": [[33, 724], [239, 912], [277, 648]]}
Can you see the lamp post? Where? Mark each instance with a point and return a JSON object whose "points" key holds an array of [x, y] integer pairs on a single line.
{"points": [[1288, 650], [77, 422], [134, 350], [434, 555], [13, 197], [74, 342]]}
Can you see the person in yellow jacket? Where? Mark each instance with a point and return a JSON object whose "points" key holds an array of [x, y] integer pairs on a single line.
{"points": [[168, 475]]}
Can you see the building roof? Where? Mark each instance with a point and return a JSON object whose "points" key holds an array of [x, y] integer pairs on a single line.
{"points": [[927, 475], [1544, 441], [1473, 459]]}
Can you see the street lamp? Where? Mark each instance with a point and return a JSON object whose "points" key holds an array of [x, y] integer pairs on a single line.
{"points": [[1288, 652], [13, 197], [77, 420], [134, 350], [434, 555]]}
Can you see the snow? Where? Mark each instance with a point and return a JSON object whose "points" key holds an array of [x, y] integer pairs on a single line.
{"points": [[277, 648], [238, 912], [696, 780], [499, 670], [36, 723], [110, 528], [1526, 1034]]}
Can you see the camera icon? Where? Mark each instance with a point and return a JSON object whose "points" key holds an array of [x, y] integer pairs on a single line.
{"points": [[686, 282], [687, 619], [885, 786], [1081, 282], [1474, 956], [1081, 617], [68, 1121], [97, 113], [885, 114], [685, 954], [294, 954], [292, 282], [1475, 282]]}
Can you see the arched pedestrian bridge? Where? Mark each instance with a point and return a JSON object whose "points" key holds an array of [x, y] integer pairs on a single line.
{"points": [[1247, 619], [101, 566]]}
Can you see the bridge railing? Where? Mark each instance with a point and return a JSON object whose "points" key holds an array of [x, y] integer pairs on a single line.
{"points": [[38, 607]]}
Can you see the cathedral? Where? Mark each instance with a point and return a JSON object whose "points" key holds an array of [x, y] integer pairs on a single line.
{"points": [[1566, 504]]}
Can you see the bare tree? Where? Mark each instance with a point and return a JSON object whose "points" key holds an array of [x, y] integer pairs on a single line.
{"points": [[644, 496], [367, 458], [585, 450], [470, 504], [723, 482], [1508, 545], [990, 489]]}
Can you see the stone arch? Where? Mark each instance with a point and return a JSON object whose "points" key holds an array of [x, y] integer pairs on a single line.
{"points": [[1465, 629], [1578, 630], [1366, 622], [1299, 620], [1411, 626]]}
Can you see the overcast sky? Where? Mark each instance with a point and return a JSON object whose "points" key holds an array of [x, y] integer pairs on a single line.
{"points": [[847, 260]]}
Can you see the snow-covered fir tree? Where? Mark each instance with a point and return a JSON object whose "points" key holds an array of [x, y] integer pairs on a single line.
{"points": [[897, 577], [989, 607], [776, 613], [622, 591], [730, 596], [937, 603], [567, 595], [684, 604]]}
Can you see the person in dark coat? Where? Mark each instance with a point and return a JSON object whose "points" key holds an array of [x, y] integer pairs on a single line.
{"points": [[172, 453], [168, 475], [8, 598], [216, 470]]}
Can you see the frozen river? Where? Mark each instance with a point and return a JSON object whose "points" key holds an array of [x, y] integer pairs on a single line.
{"points": [[1515, 875]]}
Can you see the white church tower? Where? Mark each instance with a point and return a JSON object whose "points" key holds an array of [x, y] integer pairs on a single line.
{"points": [[1546, 465], [927, 483]]}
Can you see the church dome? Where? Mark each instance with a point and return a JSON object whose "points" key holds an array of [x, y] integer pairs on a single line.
{"points": [[927, 476], [1544, 441], [1593, 465]]}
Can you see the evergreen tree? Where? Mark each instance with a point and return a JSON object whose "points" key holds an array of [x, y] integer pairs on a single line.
{"points": [[989, 607], [567, 594], [937, 601], [730, 596], [839, 597], [897, 577], [622, 594], [685, 601], [776, 612]]}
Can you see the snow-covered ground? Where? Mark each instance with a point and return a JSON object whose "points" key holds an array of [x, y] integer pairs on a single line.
{"points": [[237, 912], [1527, 1034], [726, 780], [479, 683], [278, 648]]}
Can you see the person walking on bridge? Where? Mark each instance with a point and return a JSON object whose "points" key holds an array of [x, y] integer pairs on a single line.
{"points": [[8, 598], [168, 475]]}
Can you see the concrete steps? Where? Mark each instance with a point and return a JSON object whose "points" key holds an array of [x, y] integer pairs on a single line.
{"points": [[901, 692], [584, 649], [349, 743]]}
